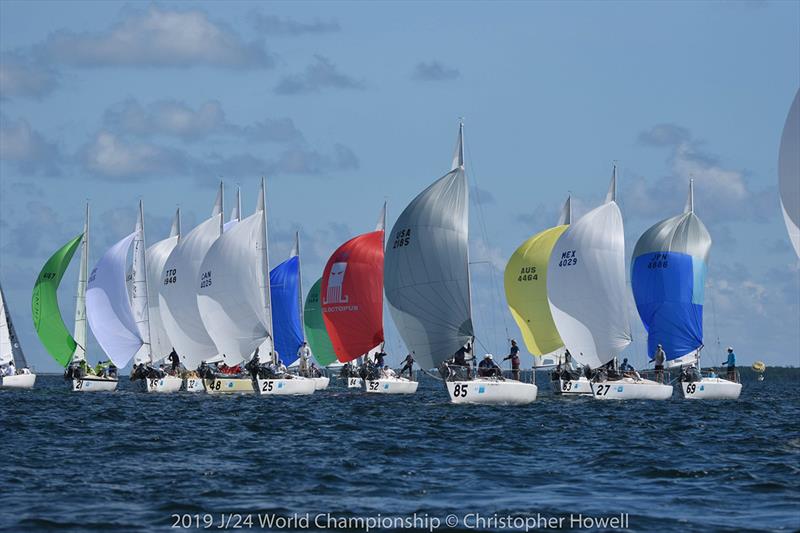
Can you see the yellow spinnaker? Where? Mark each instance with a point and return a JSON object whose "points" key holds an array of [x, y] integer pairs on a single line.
{"points": [[525, 281]]}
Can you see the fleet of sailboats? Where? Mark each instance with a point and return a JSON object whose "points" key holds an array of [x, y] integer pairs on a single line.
{"points": [[210, 297]]}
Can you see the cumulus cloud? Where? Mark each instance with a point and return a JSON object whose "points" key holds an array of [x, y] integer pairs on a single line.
{"points": [[109, 155], [27, 149], [23, 77], [273, 25], [434, 71], [320, 74], [157, 37], [178, 119]]}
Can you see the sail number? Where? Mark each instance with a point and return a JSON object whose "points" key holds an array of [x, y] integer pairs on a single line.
{"points": [[267, 386], [170, 276], [658, 261], [602, 390], [568, 259], [403, 238], [92, 275], [460, 390], [566, 386], [205, 279], [373, 385], [49, 275], [527, 274], [691, 388]]}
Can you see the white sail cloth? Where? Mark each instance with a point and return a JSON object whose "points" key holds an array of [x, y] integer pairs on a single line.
{"points": [[108, 306], [586, 287], [6, 353], [231, 290], [177, 295], [156, 257], [789, 173], [426, 272]]}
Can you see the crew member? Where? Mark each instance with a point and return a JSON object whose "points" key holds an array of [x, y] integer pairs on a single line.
{"points": [[514, 356], [658, 358], [488, 368], [175, 360], [409, 365], [731, 364]]}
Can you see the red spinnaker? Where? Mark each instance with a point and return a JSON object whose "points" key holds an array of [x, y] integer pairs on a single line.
{"points": [[352, 296]]}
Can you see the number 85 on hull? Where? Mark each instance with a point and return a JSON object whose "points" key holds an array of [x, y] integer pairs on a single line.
{"points": [[491, 391]]}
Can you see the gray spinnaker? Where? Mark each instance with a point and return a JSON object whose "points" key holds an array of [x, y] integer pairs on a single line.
{"points": [[426, 271]]}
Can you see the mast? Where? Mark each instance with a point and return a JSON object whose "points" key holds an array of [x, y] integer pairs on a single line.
{"points": [[690, 199], [140, 286], [612, 188], [80, 304], [296, 252], [262, 204], [458, 163], [236, 214], [175, 231]]}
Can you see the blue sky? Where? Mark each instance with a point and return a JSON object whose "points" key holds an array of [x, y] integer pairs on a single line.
{"points": [[345, 105]]}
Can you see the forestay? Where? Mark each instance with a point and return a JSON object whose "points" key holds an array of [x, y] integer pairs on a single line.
{"points": [[586, 285], [427, 268], [668, 272], [178, 291]]}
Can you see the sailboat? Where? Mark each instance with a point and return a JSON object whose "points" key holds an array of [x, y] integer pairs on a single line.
{"points": [[352, 305], [11, 352], [286, 288], [177, 290], [160, 346], [789, 173], [119, 320], [68, 350], [235, 303], [589, 298], [668, 272], [427, 284], [525, 281]]}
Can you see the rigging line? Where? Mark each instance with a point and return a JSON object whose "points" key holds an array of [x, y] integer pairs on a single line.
{"points": [[482, 222], [712, 286]]}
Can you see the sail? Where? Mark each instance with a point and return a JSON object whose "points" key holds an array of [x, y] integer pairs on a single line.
{"points": [[47, 318], [314, 326], [284, 285], [427, 270], [138, 290], [108, 305], [586, 285], [80, 330], [525, 281], [789, 173], [178, 292], [155, 258], [231, 289], [352, 296], [6, 332], [668, 272]]}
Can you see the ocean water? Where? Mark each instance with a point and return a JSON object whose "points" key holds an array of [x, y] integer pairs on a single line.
{"points": [[128, 461]]}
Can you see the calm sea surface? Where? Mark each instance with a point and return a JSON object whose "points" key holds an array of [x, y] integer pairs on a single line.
{"points": [[128, 461]]}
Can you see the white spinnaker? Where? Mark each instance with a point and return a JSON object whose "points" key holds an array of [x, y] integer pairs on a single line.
{"points": [[155, 258], [231, 295], [178, 294], [108, 305], [6, 355], [586, 287], [426, 271], [789, 173]]}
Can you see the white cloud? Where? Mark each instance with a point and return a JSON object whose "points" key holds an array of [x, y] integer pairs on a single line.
{"points": [[111, 156], [21, 77], [273, 25], [26, 148], [321, 74], [157, 37]]}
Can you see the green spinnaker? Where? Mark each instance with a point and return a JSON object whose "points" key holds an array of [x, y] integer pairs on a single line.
{"points": [[46, 315], [314, 326]]}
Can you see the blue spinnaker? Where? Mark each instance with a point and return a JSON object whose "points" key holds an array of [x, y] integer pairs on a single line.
{"points": [[286, 324]]}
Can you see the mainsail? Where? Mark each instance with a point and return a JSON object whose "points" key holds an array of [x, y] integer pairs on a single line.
{"points": [[286, 308], [81, 327], [586, 284], [789, 173], [155, 258], [352, 295], [525, 281], [47, 319], [233, 288], [427, 268], [314, 326], [10, 350], [178, 290], [668, 272]]}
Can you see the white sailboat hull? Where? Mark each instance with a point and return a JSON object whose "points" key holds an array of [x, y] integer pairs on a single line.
{"points": [[394, 385], [286, 387], [20, 381], [573, 387], [491, 391], [711, 389], [631, 389], [193, 385], [321, 383], [355, 383], [94, 384], [228, 386], [165, 384]]}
